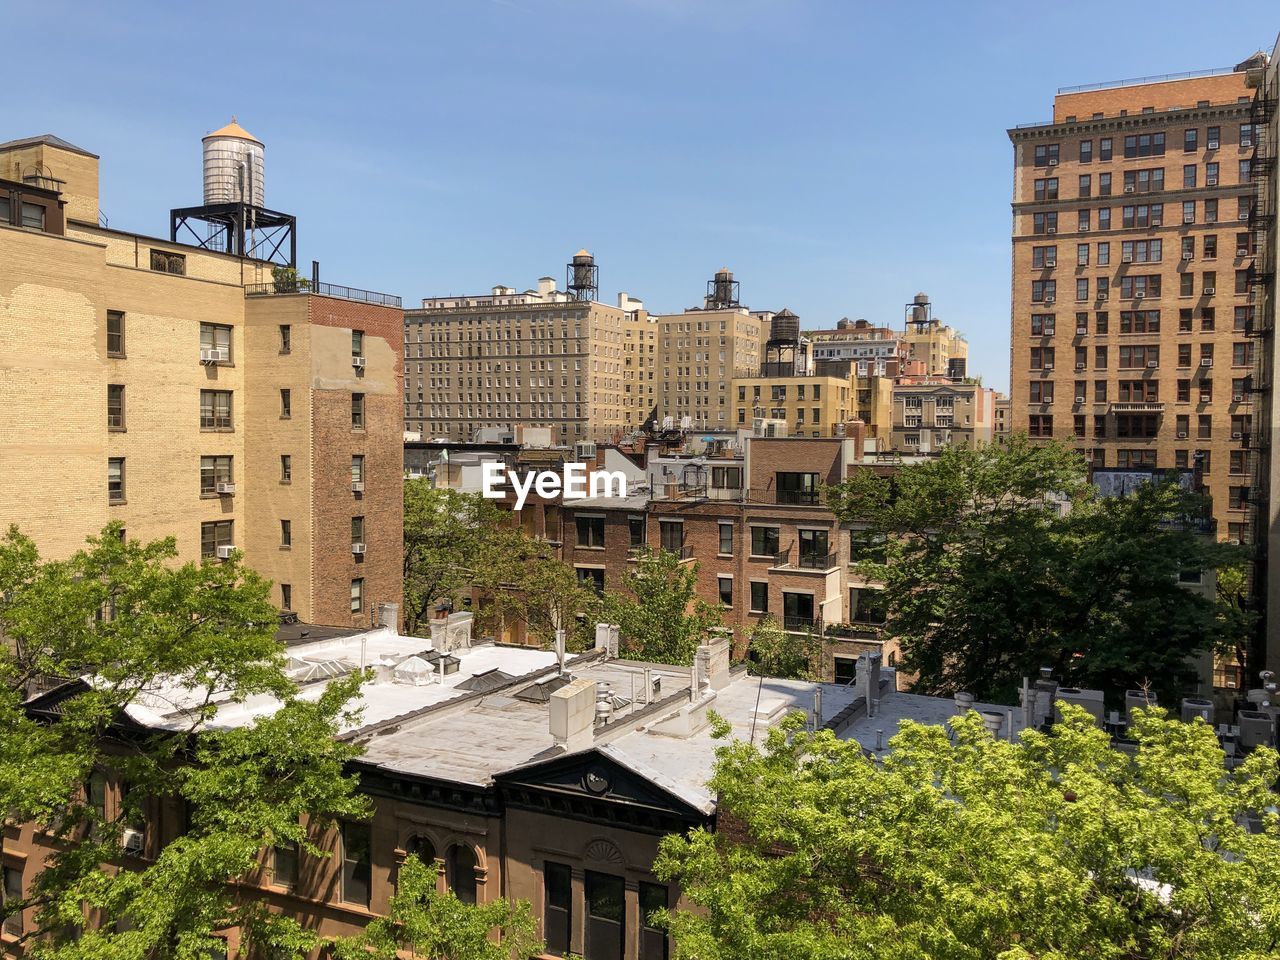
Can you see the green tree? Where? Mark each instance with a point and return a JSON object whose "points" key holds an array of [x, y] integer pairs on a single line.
{"points": [[660, 616], [1000, 560], [965, 847], [144, 627], [452, 541], [424, 922], [781, 653]]}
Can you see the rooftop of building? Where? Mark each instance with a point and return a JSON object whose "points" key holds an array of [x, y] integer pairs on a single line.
{"points": [[47, 139]]}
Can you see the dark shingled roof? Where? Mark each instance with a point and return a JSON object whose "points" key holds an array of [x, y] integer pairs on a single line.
{"points": [[49, 139]]}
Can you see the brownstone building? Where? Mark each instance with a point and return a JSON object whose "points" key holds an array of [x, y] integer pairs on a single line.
{"points": [[196, 389], [1132, 312]]}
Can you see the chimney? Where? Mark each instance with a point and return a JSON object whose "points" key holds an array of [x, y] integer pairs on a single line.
{"points": [[964, 701], [607, 638], [993, 721], [546, 286], [718, 648], [856, 430], [572, 713]]}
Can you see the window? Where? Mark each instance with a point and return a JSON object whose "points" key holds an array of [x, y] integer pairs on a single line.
{"points": [[1242, 354], [1086, 185], [1139, 321], [1190, 140], [1046, 189], [12, 890], [115, 406], [726, 478], [215, 534], [606, 917], [286, 338], [357, 595], [592, 577], [1211, 211], [286, 596], [215, 343], [357, 863], [1104, 218], [213, 471], [357, 411], [1046, 154], [815, 549], [215, 410], [1082, 220], [726, 591], [1142, 215], [590, 532], [286, 468], [798, 488], [1104, 254], [1214, 136], [1042, 358], [168, 262], [1086, 151], [32, 215], [764, 541], [1040, 425], [671, 536], [286, 403], [653, 939], [759, 596], [460, 868], [115, 333], [1142, 285], [636, 532], [357, 343], [1104, 148], [1144, 145], [286, 533], [1144, 181], [357, 468], [557, 907], [1041, 391], [115, 480], [284, 864], [1104, 184], [1099, 391], [725, 547], [1042, 324]]}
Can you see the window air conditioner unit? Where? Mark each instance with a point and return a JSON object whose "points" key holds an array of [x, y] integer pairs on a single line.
{"points": [[1047, 401], [225, 551], [1188, 218], [1152, 364], [1128, 188], [1210, 181], [1244, 214], [1053, 162], [1048, 299], [213, 355], [1051, 230], [1050, 263], [357, 548], [1126, 258], [1242, 252], [1235, 436], [1081, 331], [1213, 145], [132, 841], [1206, 361], [1182, 434], [357, 486], [1188, 255], [1084, 228], [1237, 398], [1102, 295], [1080, 365], [1208, 291], [358, 362], [1206, 398], [226, 489], [1079, 399], [1048, 366]]}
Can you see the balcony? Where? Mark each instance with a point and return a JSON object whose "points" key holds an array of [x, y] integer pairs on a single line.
{"points": [[795, 498], [302, 285], [802, 624], [1137, 406]]}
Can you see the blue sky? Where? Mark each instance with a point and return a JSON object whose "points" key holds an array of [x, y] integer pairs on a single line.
{"points": [[838, 156]]}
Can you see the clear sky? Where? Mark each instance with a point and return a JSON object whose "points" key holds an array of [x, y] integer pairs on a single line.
{"points": [[838, 156]]}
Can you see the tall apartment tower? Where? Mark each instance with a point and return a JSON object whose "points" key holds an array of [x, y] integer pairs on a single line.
{"points": [[701, 350], [187, 391], [545, 357], [1132, 308]]}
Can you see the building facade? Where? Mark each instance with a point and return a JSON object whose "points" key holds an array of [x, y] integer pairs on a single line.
{"points": [[173, 389], [546, 357], [932, 413], [1132, 246]]}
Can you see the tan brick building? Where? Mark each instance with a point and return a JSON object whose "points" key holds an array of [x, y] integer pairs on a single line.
{"points": [[811, 406], [172, 389], [931, 413], [544, 357], [1132, 309]]}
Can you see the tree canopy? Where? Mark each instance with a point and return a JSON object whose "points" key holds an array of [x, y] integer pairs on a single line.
{"points": [[660, 616], [1001, 560], [965, 847], [130, 618]]}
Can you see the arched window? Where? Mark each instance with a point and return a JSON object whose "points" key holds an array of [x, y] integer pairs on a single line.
{"points": [[462, 873], [423, 849]]}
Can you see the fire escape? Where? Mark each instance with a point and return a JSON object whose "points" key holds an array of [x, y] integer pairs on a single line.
{"points": [[1261, 328]]}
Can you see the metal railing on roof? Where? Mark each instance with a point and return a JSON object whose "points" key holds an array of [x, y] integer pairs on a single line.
{"points": [[302, 285], [1133, 81]]}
